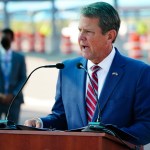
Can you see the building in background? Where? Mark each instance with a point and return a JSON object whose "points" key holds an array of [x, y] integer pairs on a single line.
{"points": [[50, 26]]}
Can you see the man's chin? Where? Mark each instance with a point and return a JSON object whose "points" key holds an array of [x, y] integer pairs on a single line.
{"points": [[85, 56]]}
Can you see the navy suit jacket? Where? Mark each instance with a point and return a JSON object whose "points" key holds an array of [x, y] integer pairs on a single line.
{"points": [[124, 100], [17, 76]]}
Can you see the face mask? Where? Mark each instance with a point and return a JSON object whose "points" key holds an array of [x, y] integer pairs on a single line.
{"points": [[5, 42]]}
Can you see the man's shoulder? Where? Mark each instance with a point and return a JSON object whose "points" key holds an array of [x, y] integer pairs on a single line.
{"points": [[122, 59], [72, 63], [18, 54], [136, 62], [74, 60]]}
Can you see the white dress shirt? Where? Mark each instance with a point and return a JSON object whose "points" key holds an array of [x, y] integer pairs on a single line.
{"points": [[102, 73]]}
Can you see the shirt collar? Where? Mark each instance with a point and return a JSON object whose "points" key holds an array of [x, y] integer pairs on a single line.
{"points": [[106, 63], [5, 54]]}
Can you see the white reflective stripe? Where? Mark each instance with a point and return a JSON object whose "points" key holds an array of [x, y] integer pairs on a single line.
{"points": [[90, 108], [94, 105], [93, 95]]}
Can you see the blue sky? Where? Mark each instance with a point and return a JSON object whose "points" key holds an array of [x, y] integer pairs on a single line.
{"points": [[64, 4]]}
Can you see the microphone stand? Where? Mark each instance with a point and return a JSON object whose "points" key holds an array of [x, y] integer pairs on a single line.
{"points": [[7, 124], [93, 126]]}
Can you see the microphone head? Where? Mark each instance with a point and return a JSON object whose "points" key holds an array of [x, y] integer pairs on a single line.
{"points": [[79, 65], [60, 65]]}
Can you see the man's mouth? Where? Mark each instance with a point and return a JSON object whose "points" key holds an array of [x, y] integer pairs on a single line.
{"points": [[84, 47]]}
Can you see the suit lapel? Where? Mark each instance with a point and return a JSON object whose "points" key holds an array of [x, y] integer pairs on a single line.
{"points": [[112, 79], [81, 81], [114, 75]]}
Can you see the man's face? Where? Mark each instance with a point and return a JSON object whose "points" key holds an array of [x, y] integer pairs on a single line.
{"points": [[6, 40], [93, 44]]}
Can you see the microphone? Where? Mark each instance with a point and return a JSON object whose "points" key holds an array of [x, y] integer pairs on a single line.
{"points": [[80, 66], [10, 124], [93, 125]]}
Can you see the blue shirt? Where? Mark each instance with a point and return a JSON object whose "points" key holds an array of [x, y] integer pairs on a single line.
{"points": [[6, 63]]}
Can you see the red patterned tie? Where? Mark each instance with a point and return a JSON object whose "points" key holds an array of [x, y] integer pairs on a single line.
{"points": [[91, 100]]}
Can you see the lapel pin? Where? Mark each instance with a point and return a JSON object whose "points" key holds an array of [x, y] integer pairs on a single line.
{"points": [[115, 74]]}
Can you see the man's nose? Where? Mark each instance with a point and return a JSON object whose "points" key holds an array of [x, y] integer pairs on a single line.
{"points": [[81, 36]]}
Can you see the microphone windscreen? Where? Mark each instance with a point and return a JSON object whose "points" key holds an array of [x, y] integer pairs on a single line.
{"points": [[60, 66], [79, 65]]}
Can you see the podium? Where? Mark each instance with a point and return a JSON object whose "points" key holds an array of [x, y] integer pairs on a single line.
{"points": [[53, 140]]}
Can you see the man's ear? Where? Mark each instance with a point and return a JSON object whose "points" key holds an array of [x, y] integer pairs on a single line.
{"points": [[112, 35]]}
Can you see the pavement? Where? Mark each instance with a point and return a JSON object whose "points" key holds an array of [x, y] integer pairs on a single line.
{"points": [[39, 91]]}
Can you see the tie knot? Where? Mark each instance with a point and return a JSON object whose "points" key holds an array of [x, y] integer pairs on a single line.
{"points": [[95, 68]]}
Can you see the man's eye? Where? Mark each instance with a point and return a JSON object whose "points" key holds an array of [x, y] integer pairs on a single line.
{"points": [[79, 30]]}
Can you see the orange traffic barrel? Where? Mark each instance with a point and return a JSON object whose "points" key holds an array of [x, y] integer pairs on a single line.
{"points": [[135, 50], [66, 45]]}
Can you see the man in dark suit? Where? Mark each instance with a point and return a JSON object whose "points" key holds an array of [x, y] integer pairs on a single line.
{"points": [[12, 76], [123, 85]]}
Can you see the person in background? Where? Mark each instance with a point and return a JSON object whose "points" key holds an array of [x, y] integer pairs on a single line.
{"points": [[12, 76], [122, 84]]}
